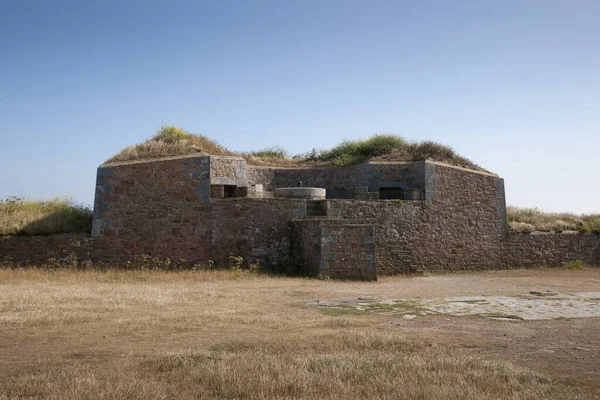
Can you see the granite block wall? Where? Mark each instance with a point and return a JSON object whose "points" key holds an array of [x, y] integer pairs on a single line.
{"points": [[459, 225], [549, 249], [338, 249], [517, 250], [341, 183], [37, 250], [164, 209]]}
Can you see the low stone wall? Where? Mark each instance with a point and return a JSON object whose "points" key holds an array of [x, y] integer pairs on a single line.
{"points": [[395, 250], [37, 250], [552, 250]]}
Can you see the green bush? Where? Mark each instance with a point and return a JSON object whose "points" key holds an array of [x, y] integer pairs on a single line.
{"points": [[271, 152], [171, 134], [355, 151], [579, 264]]}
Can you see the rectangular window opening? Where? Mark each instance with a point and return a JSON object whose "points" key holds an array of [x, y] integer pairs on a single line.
{"points": [[390, 193]]}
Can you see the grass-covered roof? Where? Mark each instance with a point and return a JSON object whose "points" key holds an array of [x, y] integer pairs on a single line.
{"points": [[172, 141]]}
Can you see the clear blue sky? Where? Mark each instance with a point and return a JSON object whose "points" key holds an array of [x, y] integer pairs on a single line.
{"points": [[513, 85]]}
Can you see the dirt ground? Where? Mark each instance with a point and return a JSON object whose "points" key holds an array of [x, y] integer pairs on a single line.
{"points": [[567, 346], [90, 335]]}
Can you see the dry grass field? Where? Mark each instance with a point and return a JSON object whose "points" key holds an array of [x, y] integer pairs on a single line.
{"points": [[207, 334]]}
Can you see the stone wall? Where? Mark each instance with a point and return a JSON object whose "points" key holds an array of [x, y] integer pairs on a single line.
{"points": [[551, 250], [516, 250], [342, 183], [164, 209], [337, 249], [228, 171], [459, 225], [37, 250]]}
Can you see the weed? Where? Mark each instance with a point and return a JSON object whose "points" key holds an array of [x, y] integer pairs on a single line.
{"points": [[271, 152], [578, 264], [398, 202]]}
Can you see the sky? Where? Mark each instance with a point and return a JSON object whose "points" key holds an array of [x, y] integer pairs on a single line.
{"points": [[512, 85]]}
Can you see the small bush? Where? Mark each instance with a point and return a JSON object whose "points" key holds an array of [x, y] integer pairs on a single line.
{"points": [[271, 152], [355, 151], [28, 217], [579, 264], [171, 134]]}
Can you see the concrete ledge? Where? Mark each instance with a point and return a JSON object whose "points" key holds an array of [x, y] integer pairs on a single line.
{"points": [[301, 193]]}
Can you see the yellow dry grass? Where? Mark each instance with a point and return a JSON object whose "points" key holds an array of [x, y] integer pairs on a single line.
{"points": [[527, 220], [172, 141], [210, 334], [42, 217]]}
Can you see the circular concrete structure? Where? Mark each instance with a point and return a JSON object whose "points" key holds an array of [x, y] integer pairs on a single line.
{"points": [[310, 193]]}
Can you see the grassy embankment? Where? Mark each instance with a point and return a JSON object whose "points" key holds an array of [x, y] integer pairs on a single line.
{"points": [[43, 217]]}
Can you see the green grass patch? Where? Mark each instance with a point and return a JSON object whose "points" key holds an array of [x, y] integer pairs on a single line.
{"points": [[387, 146]]}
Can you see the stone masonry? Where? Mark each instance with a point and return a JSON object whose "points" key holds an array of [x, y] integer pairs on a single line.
{"points": [[379, 218]]}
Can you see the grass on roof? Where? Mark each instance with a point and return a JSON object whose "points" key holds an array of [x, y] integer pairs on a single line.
{"points": [[527, 220], [30, 217], [172, 141], [388, 147]]}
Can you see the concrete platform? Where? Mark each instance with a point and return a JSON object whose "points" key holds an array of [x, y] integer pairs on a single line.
{"points": [[310, 193]]}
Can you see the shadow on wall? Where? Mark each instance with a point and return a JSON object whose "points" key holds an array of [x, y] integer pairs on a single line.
{"points": [[28, 218]]}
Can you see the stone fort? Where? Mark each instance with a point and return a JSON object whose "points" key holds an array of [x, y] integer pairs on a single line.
{"points": [[355, 222]]}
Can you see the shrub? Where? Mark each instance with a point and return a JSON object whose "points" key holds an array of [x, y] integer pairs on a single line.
{"points": [[271, 152], [579, 264], [355, 151], [58, 215], [171, 134]]}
